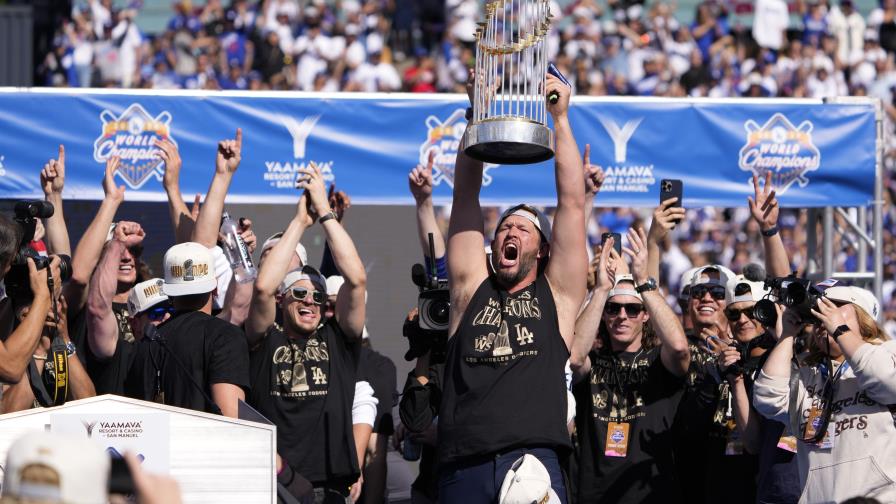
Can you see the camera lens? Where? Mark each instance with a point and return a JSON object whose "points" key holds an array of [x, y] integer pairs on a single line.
{"points": [[764, 311], [794, 294], [438, 312]]}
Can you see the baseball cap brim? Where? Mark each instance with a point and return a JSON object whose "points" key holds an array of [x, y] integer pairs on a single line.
{"points": [[188, 288]]}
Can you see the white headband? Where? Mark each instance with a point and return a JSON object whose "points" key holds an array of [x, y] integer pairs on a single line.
{"points": [[529, 216]]}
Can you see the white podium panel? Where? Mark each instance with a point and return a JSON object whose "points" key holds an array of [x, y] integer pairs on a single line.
{"points": [[214, 459]]}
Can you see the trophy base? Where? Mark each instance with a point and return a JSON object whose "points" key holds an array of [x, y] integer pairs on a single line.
{"points": [[509, 141]]}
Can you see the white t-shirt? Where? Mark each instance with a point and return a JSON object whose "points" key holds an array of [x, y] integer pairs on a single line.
{"points": [[770, 22]]}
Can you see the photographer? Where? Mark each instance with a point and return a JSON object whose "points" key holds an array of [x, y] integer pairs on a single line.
{"points": [[634, 381], [36, 388], [837, 402], [304, 371], [19, 344]]}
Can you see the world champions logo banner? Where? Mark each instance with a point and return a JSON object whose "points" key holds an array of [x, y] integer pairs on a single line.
{"points": [[131, 136], [781, 148]]}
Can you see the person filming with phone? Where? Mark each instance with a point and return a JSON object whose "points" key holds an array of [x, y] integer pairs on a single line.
{"points": [[839, 401]]}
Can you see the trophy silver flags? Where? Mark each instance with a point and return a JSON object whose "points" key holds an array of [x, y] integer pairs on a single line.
{"points": [[509, 110]]}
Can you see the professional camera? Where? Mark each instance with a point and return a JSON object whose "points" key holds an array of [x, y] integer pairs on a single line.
{"points": [[798, 294], [433, 309], [18, 285]]}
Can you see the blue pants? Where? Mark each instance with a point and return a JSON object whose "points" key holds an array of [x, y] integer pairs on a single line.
{"points": [[480, 482]]}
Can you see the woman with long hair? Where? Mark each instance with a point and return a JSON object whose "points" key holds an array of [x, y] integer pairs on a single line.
{"points": [[837, 400]]}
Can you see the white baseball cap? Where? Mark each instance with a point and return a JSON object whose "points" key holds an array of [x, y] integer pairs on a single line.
{"points": [[189, 269], [304, 273], [725, 274], [685, 281], [274, 238], [526, 482], [858, 296], [757, 290], [624, 291], [334, 283], [79, 467], [145, 295]]}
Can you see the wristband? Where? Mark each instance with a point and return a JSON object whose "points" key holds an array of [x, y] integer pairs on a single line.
{"points": [[839, 331], [770, 232], [327, 216]]}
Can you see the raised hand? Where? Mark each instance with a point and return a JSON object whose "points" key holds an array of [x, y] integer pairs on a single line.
{"points": [[420, 179], [764, 204], [594, 175], [169, 153], [114, 192], [664, 219], [52, 177], [311, 180], [560, 108], [249, 238], [339, 202], [229, 153], [129, 233], [605, 272], [194, 209], [788, 322], [303, 211], [829, 314], [637, 250]]}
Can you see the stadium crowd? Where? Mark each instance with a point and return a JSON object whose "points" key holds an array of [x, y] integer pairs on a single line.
{"points": [[579, 369]]}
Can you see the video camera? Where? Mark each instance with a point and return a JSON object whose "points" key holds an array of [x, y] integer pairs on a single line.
{"points": [[18, 285], [798, 294], [433, 309]]}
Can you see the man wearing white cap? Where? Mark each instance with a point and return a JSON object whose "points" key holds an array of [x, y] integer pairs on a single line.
{"points": [[304, 373], [634, 380], [195, 360], [511, 328], [777, 477]]}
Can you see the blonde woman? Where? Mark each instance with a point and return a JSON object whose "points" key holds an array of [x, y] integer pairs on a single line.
{"points": [[836, 402]]}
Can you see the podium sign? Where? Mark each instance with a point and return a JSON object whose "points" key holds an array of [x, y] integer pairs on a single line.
{"points": [[145, 434]]}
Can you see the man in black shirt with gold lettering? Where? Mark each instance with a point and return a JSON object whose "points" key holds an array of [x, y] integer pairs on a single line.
{"points": [[505, 388]]}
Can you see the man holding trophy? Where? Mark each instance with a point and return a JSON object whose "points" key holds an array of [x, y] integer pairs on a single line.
{"points": [[512, 321]]}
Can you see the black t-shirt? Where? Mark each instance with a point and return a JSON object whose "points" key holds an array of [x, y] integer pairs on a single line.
{"points": [[197, 348], [505, 383], [418, 408], [637, 390], [379, 371], [710, 464], [109, 375], [306, 387]]}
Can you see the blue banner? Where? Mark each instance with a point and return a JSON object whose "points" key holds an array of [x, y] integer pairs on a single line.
{"points": [[819, 154]]}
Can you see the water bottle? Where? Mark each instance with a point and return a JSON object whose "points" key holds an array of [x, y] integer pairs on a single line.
{"points": [[236, 251], [411, 450]]}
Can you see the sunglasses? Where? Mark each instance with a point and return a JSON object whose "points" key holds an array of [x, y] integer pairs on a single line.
{"points": [[301, 293], [157, 313], [631, 309], [716, 291], [734, 315]]}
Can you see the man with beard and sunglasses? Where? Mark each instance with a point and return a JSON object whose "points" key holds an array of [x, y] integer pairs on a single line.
{"points": [[303, 373], [630, 358], [511, 326]]}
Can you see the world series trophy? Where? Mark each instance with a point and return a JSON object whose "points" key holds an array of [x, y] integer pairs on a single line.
{"points": [[509, 119]]}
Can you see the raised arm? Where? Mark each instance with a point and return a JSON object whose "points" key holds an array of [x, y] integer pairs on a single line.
{"points": [[765, 209], [239, 295], [351, 302], [102, 328], [89, 248], [263, 308], [181, 217], [594, 180], [673, 344], [228, 159], [771, 393], [568, 263], [52, 180], [420, 183], [588, 322], [16, 351], [664, 220], [465, 253]]}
